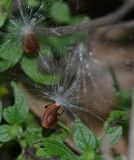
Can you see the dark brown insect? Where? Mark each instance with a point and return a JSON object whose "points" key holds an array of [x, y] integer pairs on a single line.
{"points": [[50, 115], [30, 44]]}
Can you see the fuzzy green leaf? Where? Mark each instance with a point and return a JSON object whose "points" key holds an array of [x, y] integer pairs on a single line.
{"points": [[3, 90], [88, 156], [21, 157], [61, 137], [83, 137], [17, 113], [54, 147], [60, 12], [33, 3], [7, 133], [119, 158], [61, 43], [68, 158], [33, 135], [10, 53], [4, 10], [114, 134], [113, 125], [41, 152], [124, 99], [0, 111], [30, 67], [116, 118]]}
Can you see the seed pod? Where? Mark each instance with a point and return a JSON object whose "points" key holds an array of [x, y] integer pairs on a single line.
{"points": [[50, 115], [30, 44]]}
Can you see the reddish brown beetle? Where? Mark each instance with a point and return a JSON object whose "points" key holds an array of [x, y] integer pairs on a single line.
{"points": [[30, 44], [50, 115]]}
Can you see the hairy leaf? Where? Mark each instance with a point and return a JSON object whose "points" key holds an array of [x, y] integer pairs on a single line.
{"points": [[88, 156], [54, 147], [7, 133], [0, 111], [21, 157], [30, 67], [10, 53], [4, 10], [17, 113], [114, 134], [33, 135], [113, 125], [60, 12], [116, 118], [83, 137]]}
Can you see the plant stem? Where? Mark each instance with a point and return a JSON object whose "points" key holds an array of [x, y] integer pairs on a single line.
{"points": [[64, 127]]}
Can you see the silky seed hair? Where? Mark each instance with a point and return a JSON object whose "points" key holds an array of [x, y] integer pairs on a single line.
{"points": [[67, 93]]}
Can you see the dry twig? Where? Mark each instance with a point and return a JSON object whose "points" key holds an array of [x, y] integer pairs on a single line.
{"points": [[89, 25]]}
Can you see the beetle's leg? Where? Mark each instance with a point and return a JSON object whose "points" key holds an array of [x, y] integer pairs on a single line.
{"points": [[59, 114], [46, 106]]}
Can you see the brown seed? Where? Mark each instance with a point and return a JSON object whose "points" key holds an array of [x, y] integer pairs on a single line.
{"points": [[50, 115], [30, 44]]}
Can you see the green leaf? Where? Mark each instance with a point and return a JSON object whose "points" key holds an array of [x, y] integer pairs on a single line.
{"points": [[99, 157], [7, 133], [113, 125], [115, 134], [30, 67], [17, 113], [68, 158], [4, 10], [119, 158], [33, 3], [3, 90], [60, 137], [83, 137], [61, 43], [21, 157], [41, 152], [33, 135], [10, 53], [1, 111], [54, 147], [29, 121], [1, 144], [116, 118], [124, 99], [60, 12], [88, 156]]}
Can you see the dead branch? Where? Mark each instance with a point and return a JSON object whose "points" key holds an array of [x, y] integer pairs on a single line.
{"points": [[63, 31], [113, 17], [89, 25]]}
